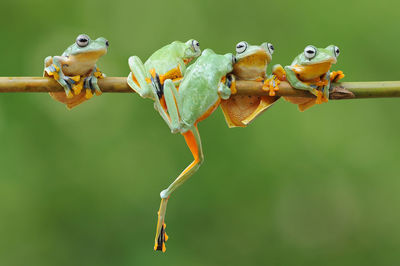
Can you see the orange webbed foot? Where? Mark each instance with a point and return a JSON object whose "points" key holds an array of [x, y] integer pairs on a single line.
{"points": [[335, 76], [271, 85], [162, 238], [320, 96]]}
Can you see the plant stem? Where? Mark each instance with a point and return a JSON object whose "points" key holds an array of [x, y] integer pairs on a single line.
{"points": [[342, 90]]}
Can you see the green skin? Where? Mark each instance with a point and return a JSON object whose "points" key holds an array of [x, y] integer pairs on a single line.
{"points": [[199, 92], [322, 55], [78, 60], [200, 89], [163, 60]]}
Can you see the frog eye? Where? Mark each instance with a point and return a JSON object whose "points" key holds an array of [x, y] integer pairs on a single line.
{"points": [[271, 48], [196, 46], [310, 52], [82, 40], [241, 47], [337, 51]]}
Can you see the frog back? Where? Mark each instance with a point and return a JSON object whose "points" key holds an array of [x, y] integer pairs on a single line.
{"points": [[198, 91], [167, 58]]}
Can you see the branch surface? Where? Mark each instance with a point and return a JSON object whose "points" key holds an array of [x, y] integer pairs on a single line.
{"points": [[341, 90]]}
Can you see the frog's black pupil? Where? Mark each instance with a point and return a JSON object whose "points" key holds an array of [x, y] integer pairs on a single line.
{"points": [[272, 48], [310, 51], [83, 40]]}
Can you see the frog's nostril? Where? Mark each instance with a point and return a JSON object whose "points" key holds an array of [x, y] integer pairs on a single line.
{"points": [[107, 43]]}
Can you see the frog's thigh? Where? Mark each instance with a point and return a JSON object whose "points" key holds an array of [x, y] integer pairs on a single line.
{"points": [[138, 81], [173, 102]]}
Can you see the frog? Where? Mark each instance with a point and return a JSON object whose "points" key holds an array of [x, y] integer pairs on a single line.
{"points": [[169, 62], [200, 92], [252, 63], [76, 70], [311, 71]]}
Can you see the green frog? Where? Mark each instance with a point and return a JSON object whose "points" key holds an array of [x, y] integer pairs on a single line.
{"points": [[76, 70], [310, 71]]}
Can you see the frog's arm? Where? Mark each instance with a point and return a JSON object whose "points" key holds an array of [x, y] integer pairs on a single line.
{"points": [[224, 91], [294, 81], [53, 67], [138, 77]]}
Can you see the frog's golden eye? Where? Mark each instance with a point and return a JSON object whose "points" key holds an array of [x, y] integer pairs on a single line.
{"points": [[241, 47], [270, 48], [310, 52], [196, 46], [82, 40], [337, 51]]}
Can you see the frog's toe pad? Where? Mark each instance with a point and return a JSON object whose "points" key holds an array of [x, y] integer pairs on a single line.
{"points": [[88, 94], [69, 94], [162, 238], [336, 75]]}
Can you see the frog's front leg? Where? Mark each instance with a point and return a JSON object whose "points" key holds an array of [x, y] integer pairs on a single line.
{"points": [[138, 78], [90, 83], [193, 141], [224, 91], [296, 83], [53, 67]]}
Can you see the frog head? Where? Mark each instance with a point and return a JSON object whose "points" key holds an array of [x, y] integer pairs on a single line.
{"points": [[252, 60], [87, 50], [192, 50], [314, 62]]}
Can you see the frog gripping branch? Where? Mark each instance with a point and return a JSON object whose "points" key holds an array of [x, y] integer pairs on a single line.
{"points": [[310, 71], [76, 71], [251, 64], [182, 101], [184, 94]]}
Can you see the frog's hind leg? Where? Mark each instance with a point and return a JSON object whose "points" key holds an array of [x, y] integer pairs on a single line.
{"points": [[139, 77], [193, 141]]}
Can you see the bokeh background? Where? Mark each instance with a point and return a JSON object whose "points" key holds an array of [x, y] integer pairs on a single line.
{"points": [[82, 187]]}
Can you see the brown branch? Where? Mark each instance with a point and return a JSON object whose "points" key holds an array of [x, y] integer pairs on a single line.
{"points": [[343, 90]]}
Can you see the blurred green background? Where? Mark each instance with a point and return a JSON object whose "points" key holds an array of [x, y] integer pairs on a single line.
{"points": [[82, 187]]}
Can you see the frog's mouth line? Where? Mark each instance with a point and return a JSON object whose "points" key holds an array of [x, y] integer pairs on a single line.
{"points": [[92, 54], [331, 60]]}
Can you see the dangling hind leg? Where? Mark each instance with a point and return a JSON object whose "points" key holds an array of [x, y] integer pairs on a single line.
{"points": [[193, 141]]}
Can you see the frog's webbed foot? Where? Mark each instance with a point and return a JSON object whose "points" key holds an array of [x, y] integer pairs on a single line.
{"points": [[66, 82], [140, 79], [271, 85], [335, 76], [91, 86], [161, 235], [320, 96]]}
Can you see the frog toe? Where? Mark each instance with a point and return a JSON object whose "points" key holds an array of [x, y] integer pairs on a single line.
{"points": [[88, 94], [335, 76], [162, 238]]}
